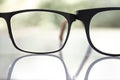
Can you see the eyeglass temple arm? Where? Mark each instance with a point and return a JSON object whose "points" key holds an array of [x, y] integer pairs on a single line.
{"points": [[62, 30], [86, 57], [63, 25]]}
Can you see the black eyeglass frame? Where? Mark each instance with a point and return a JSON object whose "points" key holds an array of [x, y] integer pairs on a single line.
{"points": [[8, 16], [84, 16]]}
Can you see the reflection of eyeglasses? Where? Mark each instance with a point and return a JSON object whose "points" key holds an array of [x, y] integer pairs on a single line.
{"points": [[105, 68], [37, 31], [43, 67]]}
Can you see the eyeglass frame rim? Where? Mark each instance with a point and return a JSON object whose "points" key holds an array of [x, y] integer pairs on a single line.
{"points": [[92, 13], [84, 16], [8, 16]]}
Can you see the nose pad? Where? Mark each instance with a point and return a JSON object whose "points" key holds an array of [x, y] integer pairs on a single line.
{"points": [[6, 50], [2, 24], [4, 39]]}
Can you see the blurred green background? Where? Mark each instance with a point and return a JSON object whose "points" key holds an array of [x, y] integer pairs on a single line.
{"points": [[62, 5]]}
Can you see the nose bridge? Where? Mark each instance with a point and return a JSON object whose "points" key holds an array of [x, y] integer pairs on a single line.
{"points": [[5, 16], [2, 15], [4, 19], [82, 16]]}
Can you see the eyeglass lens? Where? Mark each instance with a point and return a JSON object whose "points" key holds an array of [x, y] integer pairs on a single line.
{"points": [[38, 31], [104, 31]]}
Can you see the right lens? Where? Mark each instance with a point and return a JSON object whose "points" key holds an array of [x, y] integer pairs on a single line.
{"points": [[105, 31], [39, 68]]}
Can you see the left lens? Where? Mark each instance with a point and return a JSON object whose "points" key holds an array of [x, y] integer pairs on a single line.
{"points": [[38, 31], [39, 68]]}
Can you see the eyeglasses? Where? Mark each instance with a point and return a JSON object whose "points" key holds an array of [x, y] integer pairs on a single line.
{"points": [[38, 31]]}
